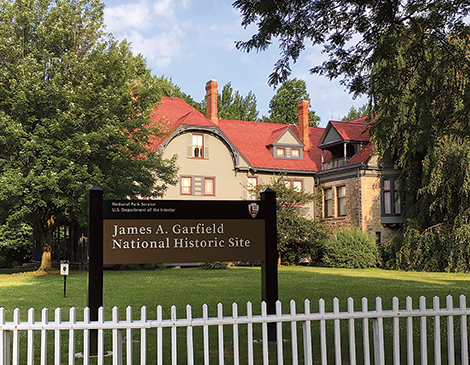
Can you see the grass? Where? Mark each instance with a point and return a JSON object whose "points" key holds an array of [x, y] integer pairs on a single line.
{"points": [[238, 284]]}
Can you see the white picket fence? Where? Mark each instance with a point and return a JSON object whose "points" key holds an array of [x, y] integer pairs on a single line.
{"points": [[378, 336]]}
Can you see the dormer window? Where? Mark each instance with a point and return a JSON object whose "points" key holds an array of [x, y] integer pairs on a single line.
{"points": [[287, 152], [285, 144]]}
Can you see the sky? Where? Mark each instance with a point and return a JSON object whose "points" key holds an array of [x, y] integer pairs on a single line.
{"points": [[193, 41]]}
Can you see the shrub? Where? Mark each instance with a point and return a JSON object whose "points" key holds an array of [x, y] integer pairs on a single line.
{"points": [[147, 267], [214, 265], [299, 239], [352, 249], [439, 248], [15, 245]]}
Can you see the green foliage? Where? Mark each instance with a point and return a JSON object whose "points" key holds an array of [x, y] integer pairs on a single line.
{"points": [[298, 238], [15, 244], [438, 248], [141, 267], [283, 105], [74, 113], [354, 113], [349, 31], [167, 88], [411, 58], [232, 105], [351, 249], [213, 265]]}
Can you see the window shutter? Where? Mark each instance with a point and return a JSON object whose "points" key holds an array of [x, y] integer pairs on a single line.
{"points": [[189, 143], [206, 146]]}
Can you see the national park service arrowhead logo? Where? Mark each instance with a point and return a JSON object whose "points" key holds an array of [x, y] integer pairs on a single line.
{"points": [[253, 208]]}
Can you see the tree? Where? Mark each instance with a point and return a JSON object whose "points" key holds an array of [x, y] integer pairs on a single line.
{"points": [[411, 58], [350, 31], [298, 238], [283, 105], [232, 105], [74, 113], [354, 113], [427, 111]]}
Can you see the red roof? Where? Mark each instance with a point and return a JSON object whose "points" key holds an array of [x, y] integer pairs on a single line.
{"points": [[252, 139], [171, 113], [353, 130], [362, 156]]}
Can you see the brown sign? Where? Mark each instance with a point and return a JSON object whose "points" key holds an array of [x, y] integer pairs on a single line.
{"points": [[135, 241]]}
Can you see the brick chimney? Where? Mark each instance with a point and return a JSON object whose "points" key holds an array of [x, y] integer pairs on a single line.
{"points": [[303, 124], [211, 101]]}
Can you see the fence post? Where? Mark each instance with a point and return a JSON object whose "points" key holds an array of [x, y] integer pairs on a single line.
{"points": [[269, 278], [95, 261], [5, 346], [4, 341]]}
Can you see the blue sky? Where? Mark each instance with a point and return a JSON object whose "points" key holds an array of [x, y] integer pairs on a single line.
{"points": [[192, 42]]}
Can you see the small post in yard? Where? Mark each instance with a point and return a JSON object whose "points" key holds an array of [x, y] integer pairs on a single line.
{"points": [[64, 270], [95, 261], [269, 278]]}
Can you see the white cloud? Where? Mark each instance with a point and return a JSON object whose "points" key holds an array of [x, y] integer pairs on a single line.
{"points": [[151, 27], [122, 17], [163, 8], [160, 49], [186, 4]]}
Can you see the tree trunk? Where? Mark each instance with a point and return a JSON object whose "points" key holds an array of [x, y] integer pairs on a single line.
{"points": [[46, 261], [46, 243]]}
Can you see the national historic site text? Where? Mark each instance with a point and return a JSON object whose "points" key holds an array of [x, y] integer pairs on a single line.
{"points": [[188, 240]]}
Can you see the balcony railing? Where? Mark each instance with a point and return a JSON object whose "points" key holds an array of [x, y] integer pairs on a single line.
{"points": [[337, 162]]}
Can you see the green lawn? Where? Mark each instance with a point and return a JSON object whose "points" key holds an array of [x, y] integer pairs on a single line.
{"points": [[238, 284], [180, 287]]}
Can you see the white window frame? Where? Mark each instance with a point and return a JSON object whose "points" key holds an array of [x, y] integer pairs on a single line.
{"points": [[212, 180], [183, 187]]}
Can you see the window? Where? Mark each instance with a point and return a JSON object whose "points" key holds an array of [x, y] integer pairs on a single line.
{"points": [[396, 197], [280, 152], [391, 204], [328, 203], [186, 186], [387, 196], [197, 185], [295, 153], [251, 182], [341, 194], [209, 184], [298, 185], [198, 146]]}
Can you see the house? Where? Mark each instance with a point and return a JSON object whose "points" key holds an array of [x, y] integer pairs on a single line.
{"points": [[219, 158]]}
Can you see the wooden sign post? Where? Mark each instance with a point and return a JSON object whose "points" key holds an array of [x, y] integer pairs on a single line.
{"points": [[175, 231]]}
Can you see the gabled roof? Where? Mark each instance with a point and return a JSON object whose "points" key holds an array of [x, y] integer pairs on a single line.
{"points": [[250, 139], [172, 113], [355, 130], [277, 135], [362, 156]]}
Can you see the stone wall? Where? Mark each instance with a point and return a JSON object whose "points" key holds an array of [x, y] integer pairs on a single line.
{"points": [[363, 204]]}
